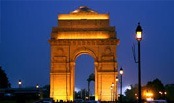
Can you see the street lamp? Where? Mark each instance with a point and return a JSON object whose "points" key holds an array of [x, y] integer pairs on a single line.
{"points": [[139, 32], [20, 83], [165, 93], [37, 86], [116, 79], [112, 85], [139, 38], [121, 73], [111, 92]]}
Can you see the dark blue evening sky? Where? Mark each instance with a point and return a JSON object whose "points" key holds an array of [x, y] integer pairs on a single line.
{"points": [[26, 27]]}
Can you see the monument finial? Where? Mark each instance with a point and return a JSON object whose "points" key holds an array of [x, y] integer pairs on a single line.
{"points": [[83, 9]]}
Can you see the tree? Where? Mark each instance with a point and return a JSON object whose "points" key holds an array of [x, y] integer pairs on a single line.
{"points": [[169, 93], [131, 94], [81, 94], [4, 83], [156, 86], [46, 91]]}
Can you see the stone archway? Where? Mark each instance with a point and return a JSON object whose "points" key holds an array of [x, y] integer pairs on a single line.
{"points": [[81, 51], [83, 31]]}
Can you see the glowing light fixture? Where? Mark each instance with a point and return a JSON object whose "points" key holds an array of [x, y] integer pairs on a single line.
{"points": [[20, 83], [112, 84], [116, 79], [121, 70], [139, 32], [165, 93], [111, 88], [149, 96], [37, 86]]}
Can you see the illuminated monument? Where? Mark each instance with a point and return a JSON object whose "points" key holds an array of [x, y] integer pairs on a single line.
{"points": [[83, 31]]}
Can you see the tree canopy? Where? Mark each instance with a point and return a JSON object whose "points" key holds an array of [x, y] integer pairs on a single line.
{"points": [[4, 83], [155, 87]]}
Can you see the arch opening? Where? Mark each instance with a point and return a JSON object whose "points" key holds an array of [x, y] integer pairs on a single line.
{"points": [[84, 89]]}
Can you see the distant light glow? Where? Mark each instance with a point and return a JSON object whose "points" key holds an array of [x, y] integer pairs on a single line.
{"points": [[160, 92], [149, 99], [124, 89], [165, 93], [19, 82], [148, 95], [129, 87], [77, 89]]}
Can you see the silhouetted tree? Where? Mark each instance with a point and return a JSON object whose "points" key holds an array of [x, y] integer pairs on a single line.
{"points": [[131, 94], [46, 91], [4, 83], [81, 94], [169, 93], [156, 86]]}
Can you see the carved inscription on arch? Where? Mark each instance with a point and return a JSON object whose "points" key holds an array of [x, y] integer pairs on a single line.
{"points": [[107, 55], [58, 55], [85, 42], [57, 51]]}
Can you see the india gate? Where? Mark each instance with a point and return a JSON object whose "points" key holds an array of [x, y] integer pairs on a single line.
{"points": [[83, 31]]}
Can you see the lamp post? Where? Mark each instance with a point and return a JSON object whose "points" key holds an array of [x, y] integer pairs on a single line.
{"points": [[20, 83], [139, 38], [111, 92], [116, 79], [37, 86], [121, 73], [165, 93]]}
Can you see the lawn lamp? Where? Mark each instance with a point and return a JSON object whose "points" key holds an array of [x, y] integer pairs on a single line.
{"points": [[139, 38], [121, 73]]}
